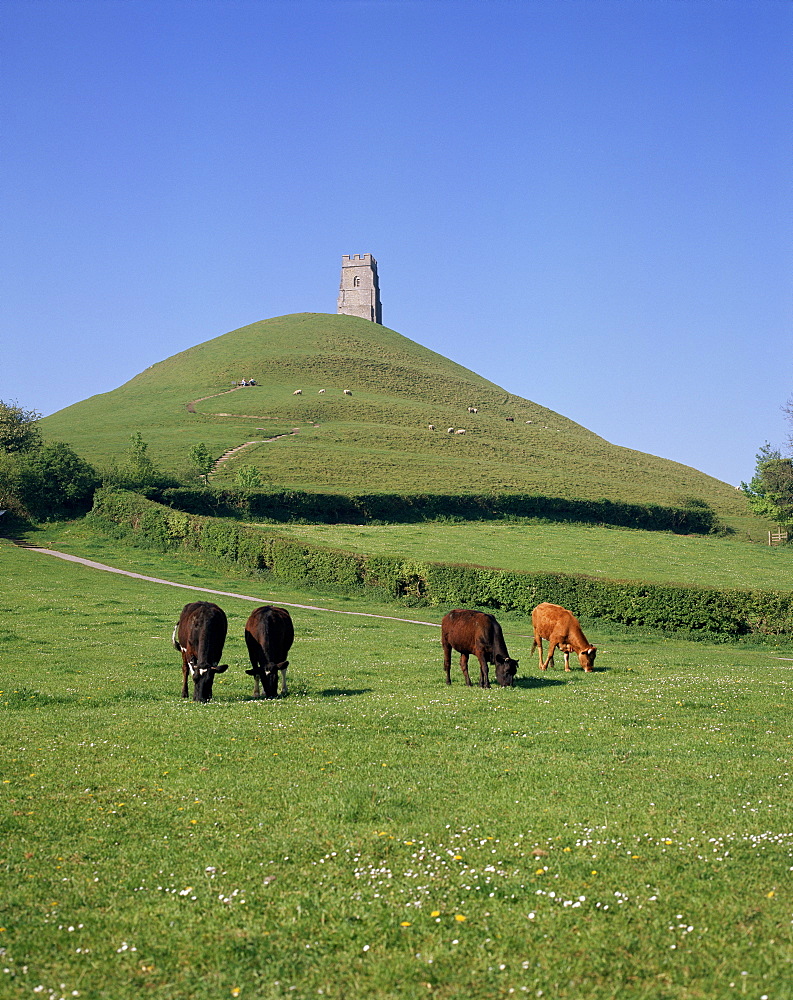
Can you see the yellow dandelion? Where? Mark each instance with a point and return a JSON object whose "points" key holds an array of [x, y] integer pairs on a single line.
{"points": [[459, 917], [769, 895], [435, 913], [405, 923], [540, 871], [458, 857]]}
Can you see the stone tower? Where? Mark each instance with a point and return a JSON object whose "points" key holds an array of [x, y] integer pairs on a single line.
{"points": [[359, 292]]}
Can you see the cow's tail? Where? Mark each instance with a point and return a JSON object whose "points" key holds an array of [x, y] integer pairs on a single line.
{"points": [[174, 638]]}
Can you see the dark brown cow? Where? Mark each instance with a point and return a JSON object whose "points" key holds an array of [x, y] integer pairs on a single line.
{"points": [[269, 635], [562, 630], [478, 633], [199, 637]]}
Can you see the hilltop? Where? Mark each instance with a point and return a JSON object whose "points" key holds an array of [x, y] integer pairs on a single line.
{"points": [[376, 439]]}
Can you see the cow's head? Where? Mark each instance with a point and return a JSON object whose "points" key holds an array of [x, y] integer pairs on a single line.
{"points": [[506, 669], [203, 678], [268, 678], [587, 658]]}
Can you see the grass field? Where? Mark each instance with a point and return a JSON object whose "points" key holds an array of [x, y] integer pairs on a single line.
{"points": [[610, 553], [377, 834], [378, 438]]}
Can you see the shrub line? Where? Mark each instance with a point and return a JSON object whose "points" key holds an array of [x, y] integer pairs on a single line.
{"points": [[695, 518]]}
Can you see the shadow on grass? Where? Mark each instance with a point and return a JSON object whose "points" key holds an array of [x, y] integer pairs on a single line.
{"points": [[342, 692], [301, 692], [538, 682]]}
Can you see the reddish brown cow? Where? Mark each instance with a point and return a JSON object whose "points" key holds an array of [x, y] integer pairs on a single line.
{"points": [[478, 633], [269, 635], [561, 629], [199, 637]]}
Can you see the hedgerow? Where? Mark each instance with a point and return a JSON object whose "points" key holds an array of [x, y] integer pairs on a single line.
{"points": [[694, 611], [394, 508]]}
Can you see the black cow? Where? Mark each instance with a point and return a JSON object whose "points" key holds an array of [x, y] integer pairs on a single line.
{"points": [[269, 635], [199, 637], [478, 633]]}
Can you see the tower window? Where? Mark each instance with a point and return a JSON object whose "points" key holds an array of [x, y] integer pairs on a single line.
{"points": [[356, 281]]}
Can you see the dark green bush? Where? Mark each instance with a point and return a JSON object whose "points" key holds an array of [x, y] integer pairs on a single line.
{"points": [[388, 508]]}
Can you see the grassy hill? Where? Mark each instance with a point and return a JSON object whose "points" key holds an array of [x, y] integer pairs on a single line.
{"points": [[376, 439]]}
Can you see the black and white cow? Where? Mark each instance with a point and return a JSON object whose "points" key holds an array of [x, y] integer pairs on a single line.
{"points": [[199, 637]]}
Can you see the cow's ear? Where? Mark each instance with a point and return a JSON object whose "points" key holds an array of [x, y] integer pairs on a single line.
{"points": [[251, 672], [282, 666], [221, 669]]}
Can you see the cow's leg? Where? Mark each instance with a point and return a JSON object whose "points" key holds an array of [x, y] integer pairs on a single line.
{"points": [[256, 681], [538, 644], [284, 690], [551, 648], [464, 668], [567, 660], [484, 674], [447, 661], [185, 675]]}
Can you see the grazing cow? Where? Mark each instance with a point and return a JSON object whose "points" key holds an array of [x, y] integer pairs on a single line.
{"points": [[320, 392], [347, 392], [478, 633], [199, 637], [269, 635], [460, 430], [510, 420], [432, 427], [450, 430], [298, 392], [562, 630]]}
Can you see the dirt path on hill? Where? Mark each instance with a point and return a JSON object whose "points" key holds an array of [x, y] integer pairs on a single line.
{"points": [[190, 407], [206, 590], [246, 444]]}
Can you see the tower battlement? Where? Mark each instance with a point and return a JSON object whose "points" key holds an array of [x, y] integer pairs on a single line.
{"points": [[356, 259], [359, 290]]}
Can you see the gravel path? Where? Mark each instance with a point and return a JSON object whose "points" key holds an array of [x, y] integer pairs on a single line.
{"points": [[205, 590]]}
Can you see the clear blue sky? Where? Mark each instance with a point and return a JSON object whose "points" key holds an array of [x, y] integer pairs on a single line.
{"points": [[588, 202]]}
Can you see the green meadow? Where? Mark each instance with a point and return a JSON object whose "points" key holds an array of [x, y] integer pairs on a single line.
{"points": [[610, 553], [376, 833]]}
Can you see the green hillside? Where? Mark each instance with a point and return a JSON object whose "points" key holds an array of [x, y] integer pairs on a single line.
{"points": [[376, 439]]}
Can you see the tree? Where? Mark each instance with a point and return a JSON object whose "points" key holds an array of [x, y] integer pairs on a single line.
{"points": [[66, 483], [248, 478], [18, 428], [138, 465], [201, 460], [770, 492], [49, 482]]}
